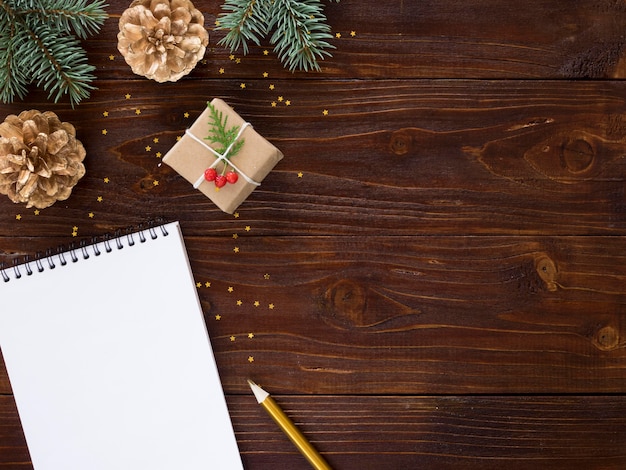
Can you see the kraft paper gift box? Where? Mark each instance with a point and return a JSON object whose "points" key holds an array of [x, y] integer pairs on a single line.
{"points": [[190, 157]]}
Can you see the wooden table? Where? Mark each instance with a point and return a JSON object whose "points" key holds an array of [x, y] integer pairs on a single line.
{"points": [[435, 274]]}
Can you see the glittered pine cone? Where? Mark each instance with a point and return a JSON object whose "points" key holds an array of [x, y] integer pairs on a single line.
{"points": [[161, 39], [40, 158]]}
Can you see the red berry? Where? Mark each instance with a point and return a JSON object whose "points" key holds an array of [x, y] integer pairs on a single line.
{"points": [[210, 174], [220, 181], [232, 177]]}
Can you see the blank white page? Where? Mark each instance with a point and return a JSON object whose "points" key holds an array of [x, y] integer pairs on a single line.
{"points": [[110, 361]]}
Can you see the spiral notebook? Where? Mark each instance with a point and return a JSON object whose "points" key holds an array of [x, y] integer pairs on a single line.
{"points": [[110, 361]]}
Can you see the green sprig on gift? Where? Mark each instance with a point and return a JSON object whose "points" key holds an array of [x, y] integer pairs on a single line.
{"points": [[39, 44], [300, 32], [227, 141]]}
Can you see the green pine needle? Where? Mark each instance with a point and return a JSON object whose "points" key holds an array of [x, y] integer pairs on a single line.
{"points": [[39, 44], [300, 32], [220, 134]]}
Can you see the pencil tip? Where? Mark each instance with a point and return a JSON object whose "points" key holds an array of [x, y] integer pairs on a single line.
{"points": [[259, 393]]}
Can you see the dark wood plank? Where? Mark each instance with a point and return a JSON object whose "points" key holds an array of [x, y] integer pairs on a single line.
{"points": [[449, 220], [402, 157], [443, 39], [413, 315], [414, 432]]}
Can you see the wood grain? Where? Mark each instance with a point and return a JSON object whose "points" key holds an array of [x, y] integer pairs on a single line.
{"points": [[443, 157], [434, 276], [491, 39], [415, 432], [418, 315]]}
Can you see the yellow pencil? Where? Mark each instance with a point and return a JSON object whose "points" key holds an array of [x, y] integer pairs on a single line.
{"points": [[303, 445]]}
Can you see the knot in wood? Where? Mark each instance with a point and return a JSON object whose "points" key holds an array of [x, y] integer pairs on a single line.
{"points": [[577, 154], [401, 142], [347, 300], [547, 271], [606, 338]]}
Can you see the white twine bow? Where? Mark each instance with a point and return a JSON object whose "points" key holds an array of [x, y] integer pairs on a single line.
{"points": [[222, 156]]}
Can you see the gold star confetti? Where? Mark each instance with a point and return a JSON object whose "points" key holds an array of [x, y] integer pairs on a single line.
{"points": [[104, 132], [250, 335], [265, 74], [91, 215], [186, 115], [127, 96], [106, 180], [232, 338], [247, 229], [105, 114], [178, 138], [280, 98], [266, 276], [239, 303], [218, 317], [352, 33], [137, 112], [100, 199], [111, 57], [74, 234], [158, 154], [257, 303], [148, 148], [325, 112], [217, 22], [230, 289], [273, 104], [198, 284], [155, 183], [238, 60], [338, 35], [271, 306], [36, 212], [236, 249], [207, 284], [288, 103], [18, 217], [74, 228], [236, 215], [231, 57], [266, 52], [155, 140], [272, 86], [221, 70], [300, 174], [235, 236], [250, 359], [242, 86]]}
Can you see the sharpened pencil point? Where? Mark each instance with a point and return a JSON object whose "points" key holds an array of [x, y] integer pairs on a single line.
{"points": [[259, 393]]}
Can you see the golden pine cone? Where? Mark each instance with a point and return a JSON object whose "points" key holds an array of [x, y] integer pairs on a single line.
{"points": [[40, 158], [161, 39]]}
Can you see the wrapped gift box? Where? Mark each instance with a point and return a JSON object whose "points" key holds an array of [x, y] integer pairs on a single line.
{"points": [[190, 157]]}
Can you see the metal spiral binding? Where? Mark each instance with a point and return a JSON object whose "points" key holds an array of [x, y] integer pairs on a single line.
{"points": [[46, 260]]}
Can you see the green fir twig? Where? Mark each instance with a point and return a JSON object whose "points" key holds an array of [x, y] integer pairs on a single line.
{"points": [[221, 135], [39, 44], [300, 32]]}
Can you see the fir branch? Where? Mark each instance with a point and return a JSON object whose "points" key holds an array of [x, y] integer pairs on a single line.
{"points": [[300, 32], [12, 80], [36, 46], [82, 17], [60, 66], [245, 21], [220, 134]]}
